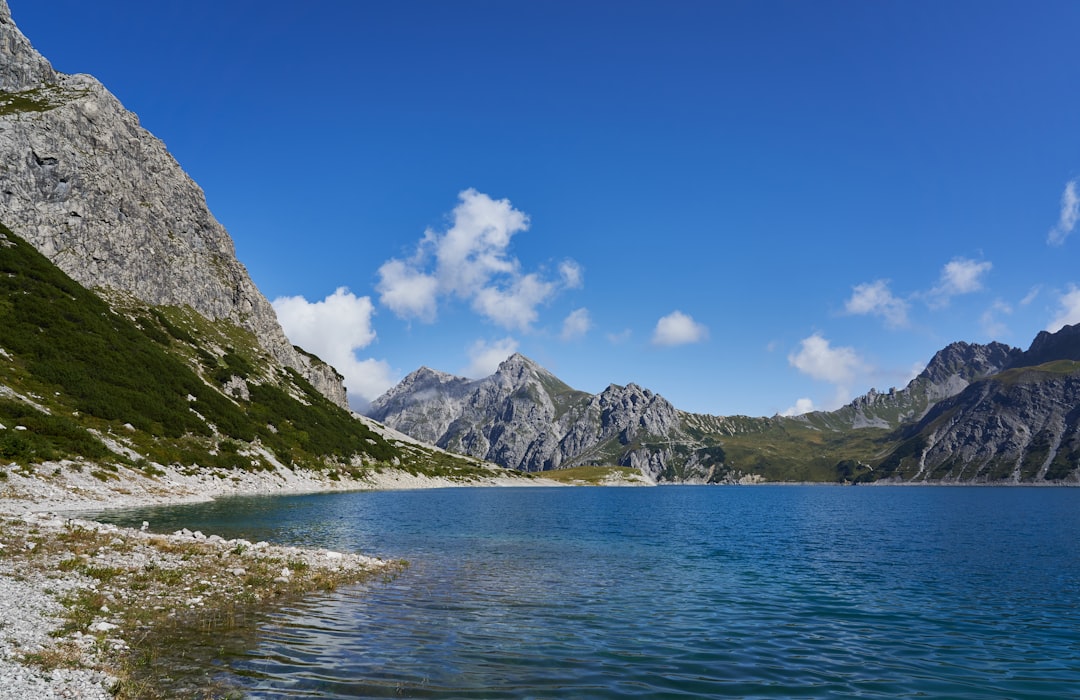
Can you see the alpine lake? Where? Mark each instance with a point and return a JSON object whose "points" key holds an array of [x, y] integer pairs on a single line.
{"points": [[668, 592]]}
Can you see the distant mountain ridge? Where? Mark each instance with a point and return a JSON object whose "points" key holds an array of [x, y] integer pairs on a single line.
{"points": [[525, 418], [973, 408]]}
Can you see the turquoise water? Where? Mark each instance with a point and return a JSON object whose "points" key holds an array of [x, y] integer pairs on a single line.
{"points": [[780, 592]]}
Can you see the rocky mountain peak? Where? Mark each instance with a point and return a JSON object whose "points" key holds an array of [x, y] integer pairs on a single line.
{"points": [[517, 366], [1048, 347], [21, 66], [968, 361], [105, 201]]}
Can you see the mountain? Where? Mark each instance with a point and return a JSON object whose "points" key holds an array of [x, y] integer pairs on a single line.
{"points": [[130, 390], [523, 417], [975, 413], [132, 341], [950, 371], [1018, 425], [104, 200]]}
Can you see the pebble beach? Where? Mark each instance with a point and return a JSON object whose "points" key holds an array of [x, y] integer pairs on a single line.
{"points": [[76, 596]]}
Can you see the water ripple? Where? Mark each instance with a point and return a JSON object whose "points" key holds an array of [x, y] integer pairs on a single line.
{"points": [[677, 593]]}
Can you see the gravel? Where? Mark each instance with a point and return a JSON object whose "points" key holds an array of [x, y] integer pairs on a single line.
{"points": [[40, 566], [29, 614]]}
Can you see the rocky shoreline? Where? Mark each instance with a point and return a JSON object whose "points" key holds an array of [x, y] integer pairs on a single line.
{"points": [[82, 600]]}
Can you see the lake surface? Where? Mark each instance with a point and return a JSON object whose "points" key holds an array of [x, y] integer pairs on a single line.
{"points": [[673, 592]]}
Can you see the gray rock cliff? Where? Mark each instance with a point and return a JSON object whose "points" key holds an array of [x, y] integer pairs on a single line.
{"points": [[84, 183], [523, 417], [1018, 425]]}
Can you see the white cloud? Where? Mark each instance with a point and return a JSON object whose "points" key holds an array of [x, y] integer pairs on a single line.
{"points": [[485, 358], [1030, 296], [991, 322], [576, 324], [407, 291], [573, 276], [514, 307], [1068, 310], [678, 328], [1070, 213], [801, 406], [471, 261], [963, 276], [620, 337], [334, 329], [816, 358], [875, 299], [959, 276]]}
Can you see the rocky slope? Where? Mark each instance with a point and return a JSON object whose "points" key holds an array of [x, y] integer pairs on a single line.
{"points": [[950, 371], [1018, 425], [83, 182], [975, 413], [523, 417]]}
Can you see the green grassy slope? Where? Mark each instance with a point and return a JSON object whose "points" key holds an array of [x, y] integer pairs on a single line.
{"points": [[78, 374]]}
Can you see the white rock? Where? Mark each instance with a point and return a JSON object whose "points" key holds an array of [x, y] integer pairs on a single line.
{"points": [[103, 627]]}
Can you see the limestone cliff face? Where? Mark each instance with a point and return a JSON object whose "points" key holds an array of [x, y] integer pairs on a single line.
{"points": [[20, 66], [1022, 427], [523, 417], [1018, 425], [83, 182]]}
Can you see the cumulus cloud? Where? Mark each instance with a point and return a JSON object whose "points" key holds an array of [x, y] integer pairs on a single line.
{"points": [[515, 306], [408, 292], [817, 359], [576, 324], [1070, 213], [959, 276], [678, 328], [1068, 310], [485, 357], [875, 299], [334, 329], [801, 406], [471, 261]]}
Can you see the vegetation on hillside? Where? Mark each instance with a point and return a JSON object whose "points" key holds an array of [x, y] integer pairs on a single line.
{"points": [[165, 383], [40, 99]]}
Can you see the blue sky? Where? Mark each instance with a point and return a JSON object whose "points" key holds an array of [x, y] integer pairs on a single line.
{"points": [[747, 207]]}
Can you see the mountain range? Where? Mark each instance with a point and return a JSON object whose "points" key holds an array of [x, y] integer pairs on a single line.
{"points": [[977, 413], [132, 338]]}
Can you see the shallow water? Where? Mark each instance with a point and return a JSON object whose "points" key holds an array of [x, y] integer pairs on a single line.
{"points": [[786, 591]]}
